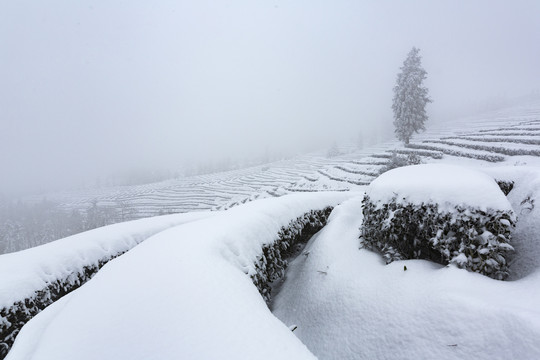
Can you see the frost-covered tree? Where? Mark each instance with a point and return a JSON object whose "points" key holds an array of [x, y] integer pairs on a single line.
{"points": [[410, 98], [333, 151]]}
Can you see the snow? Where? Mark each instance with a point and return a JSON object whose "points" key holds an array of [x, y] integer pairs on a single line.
{"points": [[445, 185], [456, 150], [497, 146], [347, 304], [184, 293], [490, 137], [525, 199], [27, 271]]}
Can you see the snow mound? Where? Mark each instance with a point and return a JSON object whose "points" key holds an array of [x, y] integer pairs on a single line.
{"points": [[347, 304], [445, 185], [443, 213]]}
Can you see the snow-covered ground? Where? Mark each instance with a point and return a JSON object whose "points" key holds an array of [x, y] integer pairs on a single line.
{"points": [[525, 200], [347, 304]]}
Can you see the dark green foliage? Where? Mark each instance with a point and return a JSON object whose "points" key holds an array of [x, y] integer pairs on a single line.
{"points": [[505, 186], [13, 318], [471, 238], [272, 262]]}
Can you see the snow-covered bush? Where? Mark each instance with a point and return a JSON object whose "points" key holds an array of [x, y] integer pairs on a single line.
{"points": [[272, 262], [398, 160], [443, 213], [486, 157], [425, 153]]}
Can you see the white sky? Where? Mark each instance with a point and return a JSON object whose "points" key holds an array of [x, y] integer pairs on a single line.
{"points": [[88, 88]]}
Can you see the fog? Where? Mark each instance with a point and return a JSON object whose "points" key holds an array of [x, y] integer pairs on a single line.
{"points": [[94, 88]]}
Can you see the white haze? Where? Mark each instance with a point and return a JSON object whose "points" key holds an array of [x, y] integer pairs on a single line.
{"points": [[92, 88]]}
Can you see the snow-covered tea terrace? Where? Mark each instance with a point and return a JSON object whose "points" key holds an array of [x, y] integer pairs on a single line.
{"points": [[252, 283]]}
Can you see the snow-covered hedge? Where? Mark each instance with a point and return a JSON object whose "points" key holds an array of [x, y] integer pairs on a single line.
{"points": [[443, 213], [452, 152], [198, 276], [33, 279], [271, 264], [13, 318], [507, 137], [495, 149], [398, 160], [423, 153]]}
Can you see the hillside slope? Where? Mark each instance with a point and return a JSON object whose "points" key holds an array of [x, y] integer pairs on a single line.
{"points": [[510, 135]]}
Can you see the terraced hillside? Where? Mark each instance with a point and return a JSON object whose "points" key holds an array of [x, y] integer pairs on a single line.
{"points": [[509, 135]]}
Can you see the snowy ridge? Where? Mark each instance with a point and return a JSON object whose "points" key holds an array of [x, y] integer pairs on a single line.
{"points": [[33, 279], [192, 274]]}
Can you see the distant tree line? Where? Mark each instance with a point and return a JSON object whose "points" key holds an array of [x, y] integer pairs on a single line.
{"points": [[24, 225], [134, 177]]}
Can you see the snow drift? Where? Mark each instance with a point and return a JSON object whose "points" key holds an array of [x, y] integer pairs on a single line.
{"points": [[33, 279]]}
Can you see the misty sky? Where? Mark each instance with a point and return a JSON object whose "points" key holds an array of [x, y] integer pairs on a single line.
{"points": [[89, 88]]}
